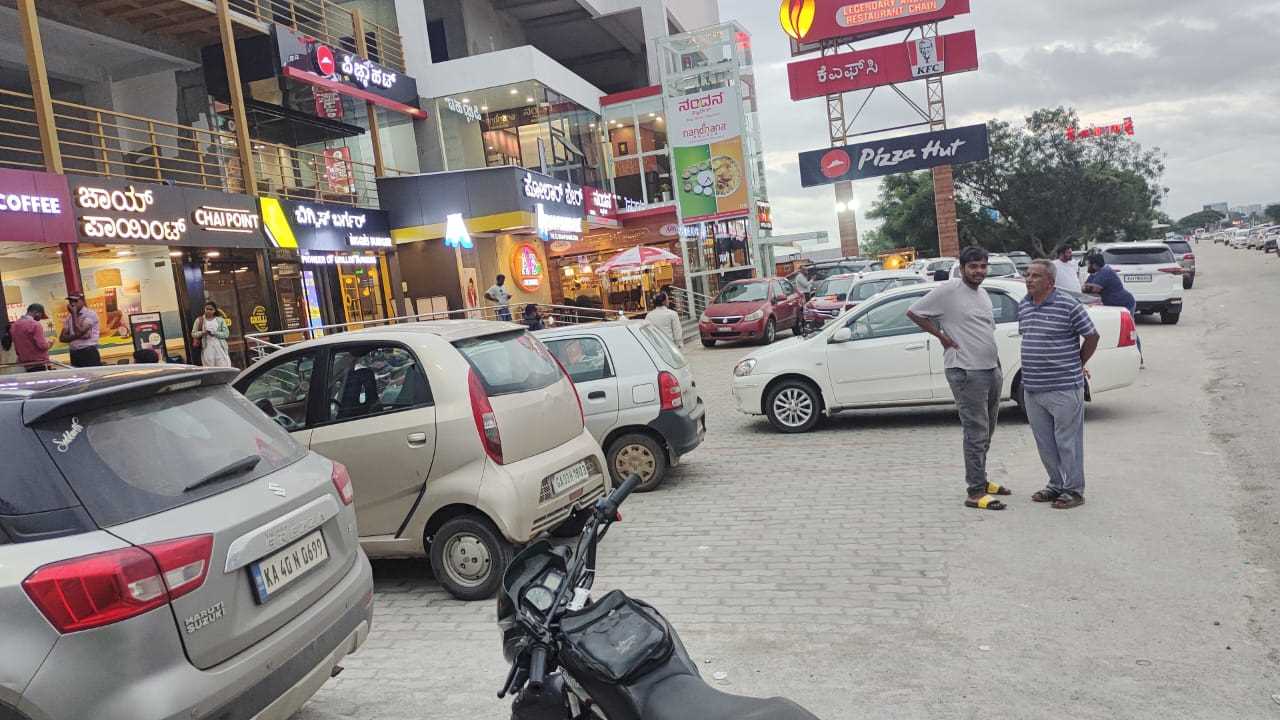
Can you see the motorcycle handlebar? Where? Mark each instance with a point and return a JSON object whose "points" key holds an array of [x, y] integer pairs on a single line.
{"points": [[537, 667], [610, 505]]}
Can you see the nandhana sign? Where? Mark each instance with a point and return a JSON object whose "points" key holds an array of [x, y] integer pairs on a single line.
{"points": [[894, 155]]}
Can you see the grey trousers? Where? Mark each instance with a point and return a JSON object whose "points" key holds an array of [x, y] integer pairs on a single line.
{"points": [[977, 396], [1057, 421]]}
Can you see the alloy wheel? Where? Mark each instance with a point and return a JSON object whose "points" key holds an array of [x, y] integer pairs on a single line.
{"points": [[793, 407]]}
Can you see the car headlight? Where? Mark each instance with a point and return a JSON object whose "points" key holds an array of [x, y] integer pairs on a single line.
{"points": [[754, 316], [704, 318], [744, 368]]}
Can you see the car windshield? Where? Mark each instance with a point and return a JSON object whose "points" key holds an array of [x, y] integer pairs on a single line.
{"points": [[1001, 268], [1137, 256], [835, 286], [866, 289], [1179, 246], [744, 292]]}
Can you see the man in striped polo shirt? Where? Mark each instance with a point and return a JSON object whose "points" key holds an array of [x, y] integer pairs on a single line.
{"points": [[1052, 325]]}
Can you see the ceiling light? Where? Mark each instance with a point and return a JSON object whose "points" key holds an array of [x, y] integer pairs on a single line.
{"points": [[59, 252], [213, 254], [593, 124], [175, 253], [242, 269], [466, 101], [528, 99], [212, 272], [653, 114], [515, 91], [484, 107]]}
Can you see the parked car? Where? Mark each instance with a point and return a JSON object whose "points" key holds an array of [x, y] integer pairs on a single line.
{"points": [[754, 309], [637, 392], [998, 266], [931, 266], [1021, 260], [822, 270], [1186, 258], [841, 292], [1151, 273], [168, 552], [1269, 242], [464, 438], [875, 356]]}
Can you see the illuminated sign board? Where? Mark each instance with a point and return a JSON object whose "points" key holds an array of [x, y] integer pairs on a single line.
{"points": [[298, 225], [455, 233], [526, 266], [108, 210], [231, 220], [552, 191], [466, 110], [125, 215], [884, 65], [894, 155], [35, 207], [304, 59], [338, 259], [1124, 127], [557, 227], [809, 22]]}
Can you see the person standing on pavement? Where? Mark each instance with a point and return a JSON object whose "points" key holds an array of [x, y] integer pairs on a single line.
{"points": [[1066, 273], [498, 295], [80, 332], [210, 332], [1104, 282], [1052, 325], [29, 341], [666, 320], [959, 314], [803, 284]]}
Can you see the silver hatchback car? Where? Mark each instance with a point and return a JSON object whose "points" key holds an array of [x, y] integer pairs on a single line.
{"points": [[166, 551]]}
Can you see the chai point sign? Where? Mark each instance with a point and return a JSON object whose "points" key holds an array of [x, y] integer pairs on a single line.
{"points": [[894, 155], [883, 65], [809, 22]]}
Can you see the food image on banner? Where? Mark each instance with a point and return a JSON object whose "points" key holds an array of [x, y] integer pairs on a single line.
{"points": [[338, 170], [706, 140]]}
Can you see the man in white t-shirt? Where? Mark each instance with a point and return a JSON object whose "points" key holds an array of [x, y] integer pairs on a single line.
{"points": [[498, 295], [1065, 270]]}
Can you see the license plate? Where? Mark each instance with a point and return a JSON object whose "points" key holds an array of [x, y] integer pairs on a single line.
{"points": [[569, 477], [1138, 278], [724, 329], [273, 573]]}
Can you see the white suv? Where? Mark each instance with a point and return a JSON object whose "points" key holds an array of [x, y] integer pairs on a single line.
{"points": [[1151, 273]]}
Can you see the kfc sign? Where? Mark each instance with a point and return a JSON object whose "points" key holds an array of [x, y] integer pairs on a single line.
{"points": [[809, 22], [883, 65]]}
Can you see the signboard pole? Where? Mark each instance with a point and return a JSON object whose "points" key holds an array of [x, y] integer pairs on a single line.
{"points": [[362, 47], [944, 189], [846, 216], [228, 36]]}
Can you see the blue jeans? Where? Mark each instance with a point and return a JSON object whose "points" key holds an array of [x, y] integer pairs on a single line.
{"points": [[504, 313]]}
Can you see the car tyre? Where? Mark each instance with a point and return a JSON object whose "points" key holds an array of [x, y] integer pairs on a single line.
{"points": [[793, 406], [770, 332], [708, 342], [468, 557], [1188, 281], [1168, 318], [640, 454]]}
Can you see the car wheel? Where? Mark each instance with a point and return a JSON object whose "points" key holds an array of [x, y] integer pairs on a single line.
{"points": [[770, 332], [639, 454], [468, 557], [708, 342], [793, 406], [1169, 318], [1188, 281]]}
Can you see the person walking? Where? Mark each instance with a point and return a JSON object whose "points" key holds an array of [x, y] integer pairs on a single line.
{"points": [[666, 320], [80, 332], [959, 314], [803, 284], [1105, 282], [210, 332], [1066, 273], [29, 341], [1058, 338], [498, 295]]}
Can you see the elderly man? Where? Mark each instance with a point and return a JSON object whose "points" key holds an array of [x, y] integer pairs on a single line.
{"points": [[1052, 324], [959, 314]]}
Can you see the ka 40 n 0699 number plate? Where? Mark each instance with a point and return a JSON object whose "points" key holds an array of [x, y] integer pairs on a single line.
{"points": [[273, 573]]}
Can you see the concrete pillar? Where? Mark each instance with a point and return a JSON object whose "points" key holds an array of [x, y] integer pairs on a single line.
{"points": [[846, 219], [944, 204]]}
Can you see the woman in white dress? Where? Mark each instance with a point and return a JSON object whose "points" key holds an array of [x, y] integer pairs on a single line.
{"points": [[210, 333]]}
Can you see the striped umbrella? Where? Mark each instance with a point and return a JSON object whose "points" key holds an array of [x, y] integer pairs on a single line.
{"points": [[637, 257]]}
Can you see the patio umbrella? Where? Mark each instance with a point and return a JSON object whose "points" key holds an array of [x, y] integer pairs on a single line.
{"points": [[637, 257]]}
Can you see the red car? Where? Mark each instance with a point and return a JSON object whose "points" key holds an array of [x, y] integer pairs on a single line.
{"points": [[752, 310]]}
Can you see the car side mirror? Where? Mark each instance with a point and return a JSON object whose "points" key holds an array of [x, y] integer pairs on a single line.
{"points": [[843, 335]]}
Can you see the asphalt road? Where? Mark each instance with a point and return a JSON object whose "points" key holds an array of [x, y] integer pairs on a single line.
{"points": [[839, 568]]}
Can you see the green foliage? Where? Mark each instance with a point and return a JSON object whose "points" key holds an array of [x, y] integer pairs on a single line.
{"points": [[1195, 220], [1273, 213]]}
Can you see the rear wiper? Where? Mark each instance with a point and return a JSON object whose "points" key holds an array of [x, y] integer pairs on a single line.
{"points": [[239, 467]]}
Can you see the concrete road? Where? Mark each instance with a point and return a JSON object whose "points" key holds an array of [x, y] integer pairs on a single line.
{"points": [[839, 568]]}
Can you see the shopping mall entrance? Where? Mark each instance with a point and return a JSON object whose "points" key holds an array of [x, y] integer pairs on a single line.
{"points": [[238, 290]]}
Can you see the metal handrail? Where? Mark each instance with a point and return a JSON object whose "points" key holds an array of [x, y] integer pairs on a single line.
{"points": [[687, 302], [330, 23], [263, 344]]}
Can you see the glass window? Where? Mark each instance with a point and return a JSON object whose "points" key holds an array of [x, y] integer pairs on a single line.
{"points": [[282, 391], [140, 458], [1003, 308], [885, 320], [1137, 256], [510, 362], [662, 344], [584, 358], [657, 178], [744, 292], [787, 287], [367, 381], [653, 131]]}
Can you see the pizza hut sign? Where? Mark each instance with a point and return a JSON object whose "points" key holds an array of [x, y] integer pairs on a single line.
{"points": [[367, 71]]}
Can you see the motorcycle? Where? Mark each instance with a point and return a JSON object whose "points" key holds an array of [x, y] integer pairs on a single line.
{"points": [[614, 658]]}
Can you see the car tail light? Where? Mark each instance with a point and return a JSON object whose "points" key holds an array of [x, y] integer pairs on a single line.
{"points": [[1128, 330], [1189, 256], [105, 588], [342, 482], [669, 390], [1177, 270], [486, 420]]}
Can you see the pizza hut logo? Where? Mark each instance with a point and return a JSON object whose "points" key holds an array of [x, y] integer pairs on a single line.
{"points": [[324, 61], [835, 163]]}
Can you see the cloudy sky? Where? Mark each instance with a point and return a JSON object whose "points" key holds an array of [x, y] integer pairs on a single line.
{"points": [[1200, 79]]}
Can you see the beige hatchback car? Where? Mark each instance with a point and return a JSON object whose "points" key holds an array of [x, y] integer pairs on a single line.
{"points": [[464, 439]]}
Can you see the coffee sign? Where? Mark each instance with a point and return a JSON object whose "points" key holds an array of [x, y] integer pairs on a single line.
{"points": [[35, 207]]}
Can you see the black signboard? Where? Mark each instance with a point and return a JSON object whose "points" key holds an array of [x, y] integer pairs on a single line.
{"points": [[292, 224], [894, 155], [307, 60], [429, 199], [111, 211], [147, 332]]}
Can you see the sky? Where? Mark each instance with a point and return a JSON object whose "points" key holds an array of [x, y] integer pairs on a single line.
{"points": [[1201, 81]]}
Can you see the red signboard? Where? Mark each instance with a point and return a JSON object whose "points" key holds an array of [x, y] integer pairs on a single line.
{"points": [[601, 206], [35, 207], [812, 21], [338, 171], [1124, 127], [903, 62], [328, 104]]}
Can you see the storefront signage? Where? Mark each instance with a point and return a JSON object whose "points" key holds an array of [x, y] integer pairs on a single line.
{"points": [[557, 227], [228, 220], [291, 224], [526, 266], [328, 104], [258, 318], [466, 110], [706, 141], [1124, 127], [130, 220], [147, 332], [811, 21], [35, 207], [120, 211], [901, 62], [338, 259], [455, 234], [305, 59], [895, 155], [764, 215], [551, 191]]}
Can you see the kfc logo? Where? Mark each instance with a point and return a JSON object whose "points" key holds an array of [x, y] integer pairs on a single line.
{"points": [[927, 57]]}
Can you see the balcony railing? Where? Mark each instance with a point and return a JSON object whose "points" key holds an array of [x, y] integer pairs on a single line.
{"points": [[111, 144], [330, 23]]}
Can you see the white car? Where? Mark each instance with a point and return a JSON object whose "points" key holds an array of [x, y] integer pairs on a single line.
{"points": [[875, 356], [998, 266], [928, 267], [1151, 272]]}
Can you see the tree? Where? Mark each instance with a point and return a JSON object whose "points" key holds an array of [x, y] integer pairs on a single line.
{"points": [[1196, 220], [1273, 212], [906, 209], [1048, 188]]}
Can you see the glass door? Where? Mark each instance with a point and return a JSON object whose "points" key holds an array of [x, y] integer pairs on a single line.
{"points": [[237, 289]]}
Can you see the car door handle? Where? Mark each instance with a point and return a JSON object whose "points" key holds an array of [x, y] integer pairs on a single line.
{"points": [[917, 346], [596, 395], [417, 439]]}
